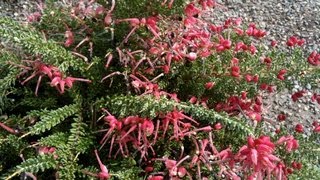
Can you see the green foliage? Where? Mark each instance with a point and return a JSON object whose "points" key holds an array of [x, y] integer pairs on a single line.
{"points": [[10, 148], [148, 106], [54, 139], [125, 169], [8, 76], [67, 160], [53, 118], [34, 43], [145, 8], [71, 124], [80, 140], [33, 165]]}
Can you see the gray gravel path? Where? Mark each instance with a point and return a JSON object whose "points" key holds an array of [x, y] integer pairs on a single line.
{"points": [[282, 19]]}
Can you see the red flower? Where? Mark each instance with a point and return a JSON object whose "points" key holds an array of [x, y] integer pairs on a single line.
{"points": [[263, 86], [289, 170], [292, 41], [207, 3], [281, 117], [273, 43], [155, 178], [281, 74], [235, 71], [209, 85], [255, 78], [315, 97], [296, 165], [258, 100], [317, 129], [148, 169], [34, 17], [235, 61], [254, 116], [315, 123], [223, 45], [297, 95], [248, 77], [300, 42], [238, 31], [69, 38], [240, 45], [46, 150], [268, 61], [252, 49], [191, 10], [182, 172], [193, 100], [103, 174], [244, 95], [271, 88], [290, 142], [253, 31], [299, 128], [314, 58], [257, 108], [258, 154], [218, 126]]}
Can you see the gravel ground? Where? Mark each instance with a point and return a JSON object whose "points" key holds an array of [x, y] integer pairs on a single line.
{"points": [[17, 9], [281, 18]]}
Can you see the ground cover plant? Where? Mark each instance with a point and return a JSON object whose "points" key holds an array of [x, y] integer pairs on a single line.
{"points": [[151, 90]]}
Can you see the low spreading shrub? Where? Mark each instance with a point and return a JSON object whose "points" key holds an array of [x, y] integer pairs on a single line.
{"points": [[149, 90]]}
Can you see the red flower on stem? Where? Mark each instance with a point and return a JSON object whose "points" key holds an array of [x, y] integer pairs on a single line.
{"points": [[281, 117], [69, 38], [258, 155], [7, 128], [104, 173], [268, 61], [235, 71], [296, 165], [314, 58], [281, 74], [299, 128], [209, 85], [191, 10], [293, 41], [315, 98], [218, 126], [289, 142], [297, 95], [317, 129]]}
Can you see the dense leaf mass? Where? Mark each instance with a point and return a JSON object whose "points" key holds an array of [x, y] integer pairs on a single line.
{"points": [[149, 89]]}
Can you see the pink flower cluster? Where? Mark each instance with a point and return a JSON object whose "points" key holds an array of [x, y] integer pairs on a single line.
{"points": [[253, 31], [57, 80], [314, 58], [142, 133], [235, 104], [293, 41]]}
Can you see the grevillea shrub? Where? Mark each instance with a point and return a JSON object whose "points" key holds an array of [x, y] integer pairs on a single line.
{"points": [[151, 90]]}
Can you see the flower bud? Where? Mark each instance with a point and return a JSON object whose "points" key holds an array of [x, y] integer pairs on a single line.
{"points": [[218, 126], [299, 128], [182, 172], [209, 85], [281, 117]]}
